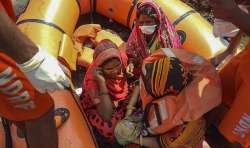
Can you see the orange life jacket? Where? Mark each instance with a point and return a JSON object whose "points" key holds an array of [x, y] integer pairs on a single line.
{"points": [[196, 99]]}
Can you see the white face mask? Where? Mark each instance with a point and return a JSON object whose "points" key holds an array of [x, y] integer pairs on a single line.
{"points": [[148, 30]]}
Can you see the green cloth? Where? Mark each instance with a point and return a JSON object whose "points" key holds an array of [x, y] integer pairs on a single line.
{"points": [[155, 46], [128, 129]]}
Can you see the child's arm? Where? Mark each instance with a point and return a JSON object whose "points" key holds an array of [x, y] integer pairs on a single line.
{"points": [[132, 101]]}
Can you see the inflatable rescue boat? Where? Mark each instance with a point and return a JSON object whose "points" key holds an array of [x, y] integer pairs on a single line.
{"points": [[51, 24]]}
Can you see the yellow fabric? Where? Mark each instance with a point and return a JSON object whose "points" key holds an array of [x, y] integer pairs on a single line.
{"points": [[86, 31], [166, 61], [86, 57], [95, 33], [101, 35], [191, 137], [156, 45], [159, 79]]}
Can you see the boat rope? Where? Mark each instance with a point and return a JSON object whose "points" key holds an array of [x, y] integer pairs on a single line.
{"points": [[92, 10], [185, 15], [41, 22]]}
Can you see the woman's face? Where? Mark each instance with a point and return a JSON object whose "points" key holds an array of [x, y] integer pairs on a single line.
{"points": [[145, 20], [147, 25], [112, 68]]}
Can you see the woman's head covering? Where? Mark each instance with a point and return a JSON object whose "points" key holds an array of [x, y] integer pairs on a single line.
{"points": [[86, 32], [166, 34], [118, 87], [102, 46], [146, 10], [165, 76]]}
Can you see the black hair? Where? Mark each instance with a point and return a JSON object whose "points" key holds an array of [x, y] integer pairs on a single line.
{"points": [[147, 10]]}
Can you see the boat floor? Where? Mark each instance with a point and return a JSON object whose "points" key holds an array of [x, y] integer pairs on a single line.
{"points": [[214, 139]]}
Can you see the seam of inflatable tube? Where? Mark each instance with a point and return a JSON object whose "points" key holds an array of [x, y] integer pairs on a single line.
{"points": [[94, 3], [41, 22], [182, 17], [131, 10]]}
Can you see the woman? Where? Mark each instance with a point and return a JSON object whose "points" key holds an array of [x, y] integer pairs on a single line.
{"points": [[176, 89], [106, 89], [152, 31]]}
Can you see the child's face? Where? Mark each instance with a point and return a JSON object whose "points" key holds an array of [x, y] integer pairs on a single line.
{"points": [[112, 68]]}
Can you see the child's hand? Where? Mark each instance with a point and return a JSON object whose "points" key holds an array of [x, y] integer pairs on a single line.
{"points": [[130, 69], [98, 74], [128, 112]]}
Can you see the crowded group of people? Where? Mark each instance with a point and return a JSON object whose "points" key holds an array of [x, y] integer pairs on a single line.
{"points": [[147, 92]]}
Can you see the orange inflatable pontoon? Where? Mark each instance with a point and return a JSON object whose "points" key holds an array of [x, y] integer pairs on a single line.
{"points": [[196, 31], [45, 24], [51, 23]]}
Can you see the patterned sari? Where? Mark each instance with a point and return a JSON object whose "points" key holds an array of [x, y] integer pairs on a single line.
{"points": [[117, 89], [137, 48]]}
